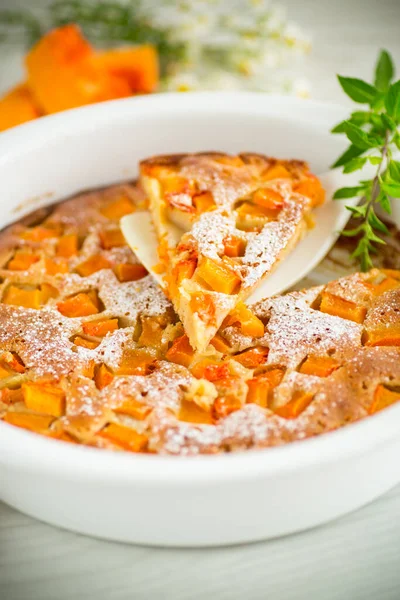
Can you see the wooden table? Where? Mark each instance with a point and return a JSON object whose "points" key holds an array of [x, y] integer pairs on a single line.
{"points": [[355, 558]]}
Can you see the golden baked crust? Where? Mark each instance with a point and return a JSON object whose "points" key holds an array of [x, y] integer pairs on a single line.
{"points": [[224, 223], [94, 353]]}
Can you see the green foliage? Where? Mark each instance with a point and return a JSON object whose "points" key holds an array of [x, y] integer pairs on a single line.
{"points": [[373, 135]]}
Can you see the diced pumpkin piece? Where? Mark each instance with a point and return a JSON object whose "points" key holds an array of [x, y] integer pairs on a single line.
{"points": [[394, 273], [61, 76], [387, 284], [127, 272], [47, 291], [61, 436], [258, 391], [67, 246], [92, 265], [135, 362], [174, 185], [234, 246], [387, 336], [138, 66], [218, 276], [152, 331], [180, 352], [125, 437], [295, 406], [40, 233], [382, 399], [17, 296], [220, 344], [338, 307], [252, 358], [268, 198], [80, 305], [225, 405], [32, 422], [211, 370], [16, 107], [311, 188], [203, 305], [204, 201], [116, 209], [44, 398], [248, 322], [111, 238], [102, 376], [54, 267], [100, 328], [248, 209], [84, 343], [320, 366], [184, 270], [13, 362], [190, 412], [10, 396], [133, 408], [229, 161], [4, 373], [276, 172], [22, 261]]}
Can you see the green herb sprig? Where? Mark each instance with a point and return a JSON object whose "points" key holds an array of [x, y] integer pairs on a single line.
{"points": [[373, 135]]}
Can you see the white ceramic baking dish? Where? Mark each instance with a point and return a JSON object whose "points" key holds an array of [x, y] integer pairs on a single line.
{"points": [[173, 501]]}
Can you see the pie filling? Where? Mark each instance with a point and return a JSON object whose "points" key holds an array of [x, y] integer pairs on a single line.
{"points": [[92, 352]]}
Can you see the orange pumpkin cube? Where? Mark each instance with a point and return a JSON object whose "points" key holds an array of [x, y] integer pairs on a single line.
{"points": [[32, 422], [22, 261], [311, 188], [180, 352], [386, 336], [258, 391], [126, 438], [133, 408], [16, 107], [190, 412], [387, 284], [248, 322], [184, 270], [135, 362], [204, 201], [44, 398], [67, 246], [17, 296], [276, 172], [13, 362], [137, 65], [80, 305], [9, 396], [83, 343], [338, 307], [92, 265], [118, 208], [234, 246], [252, 358], [127, 272], [382, 399], [47, 291], [39, 233], [268, 198], [320, 366], [220, 344], [55, 267], [295, 406], [111, 238], [218, 276], [211, 370], [203, 305], [224, 406], [100, 328], [102, 376]]}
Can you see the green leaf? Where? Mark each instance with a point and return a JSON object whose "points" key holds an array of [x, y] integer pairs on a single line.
{"points": [[392, 101], [388, 122], [358, 90], [371, 235], [351, 152], [355, 164], [385, 203], [394, 171], [339, 128], [375, 160], [396, 140], [352, 232], [384, 71], [375, 222], [390, 188], [359, 210], [360, 138], [347, 192], [360, 117]]}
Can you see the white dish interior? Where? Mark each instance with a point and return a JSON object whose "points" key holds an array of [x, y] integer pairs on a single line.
{"points": [[209, 500]]}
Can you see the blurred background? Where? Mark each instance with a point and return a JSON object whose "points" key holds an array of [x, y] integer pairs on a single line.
{"points": [[286, 46]]}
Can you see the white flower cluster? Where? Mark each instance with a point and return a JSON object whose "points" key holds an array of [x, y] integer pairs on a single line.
{"points": [[230, 44]]}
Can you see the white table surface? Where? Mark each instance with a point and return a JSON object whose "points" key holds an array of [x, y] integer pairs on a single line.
{"points": [[357, 557]]}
